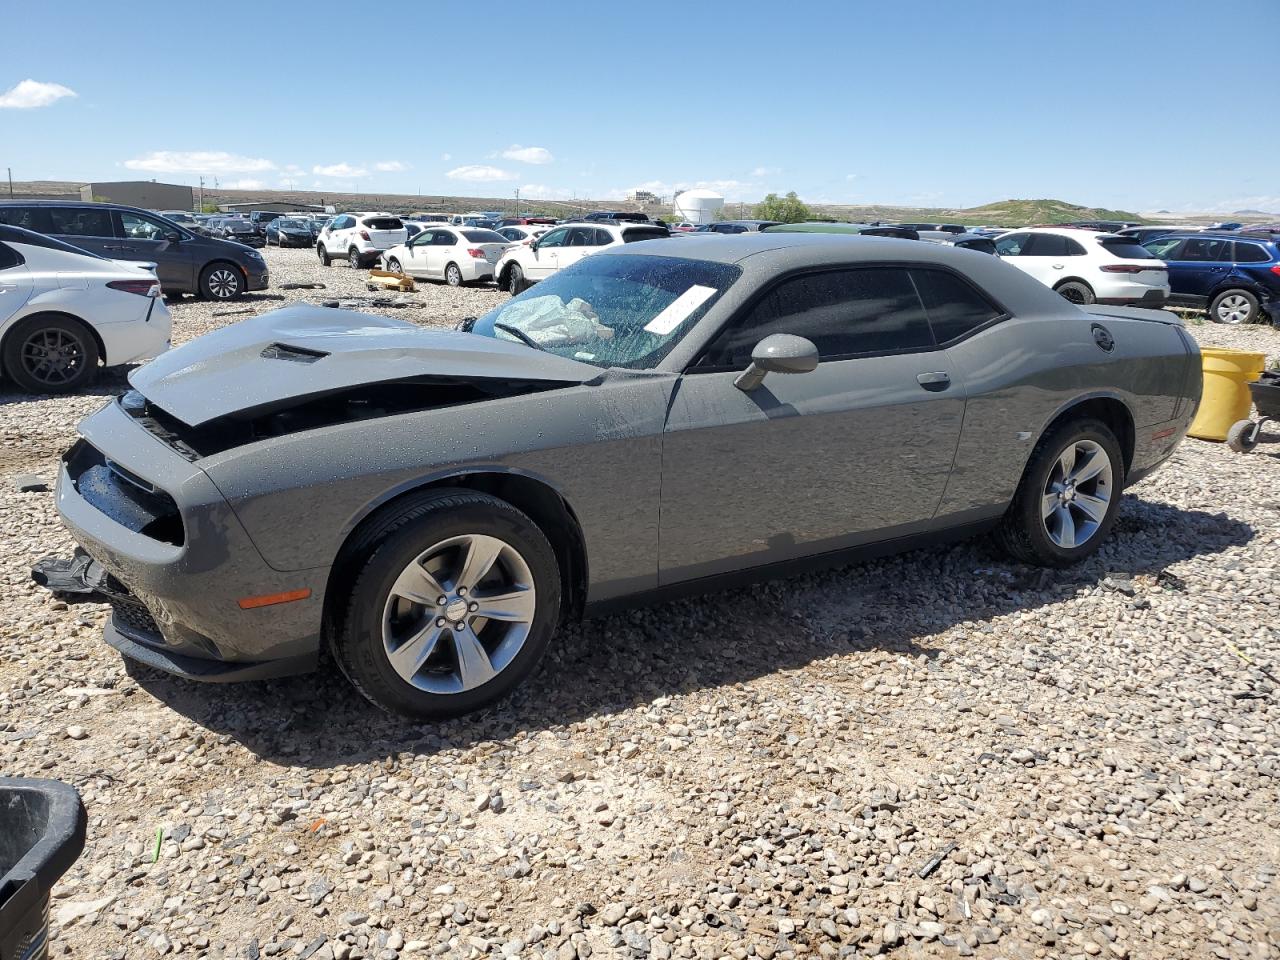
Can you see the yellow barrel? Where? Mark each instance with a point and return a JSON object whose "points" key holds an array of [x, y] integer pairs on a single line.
{"points": [[1226, 399]]}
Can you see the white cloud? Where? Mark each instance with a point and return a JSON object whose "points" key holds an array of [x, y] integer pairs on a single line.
{"points": [[478, 173], [33, 93], [244, 183], [339, 170], [446, 157], [390, 166], [540, 191], [537, 155], [198, 161], [293, 168], [851, 176], [765, 171]]}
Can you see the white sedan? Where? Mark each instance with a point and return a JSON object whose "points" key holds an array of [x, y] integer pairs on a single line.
{"points": [[64, 311], [456, 255]]}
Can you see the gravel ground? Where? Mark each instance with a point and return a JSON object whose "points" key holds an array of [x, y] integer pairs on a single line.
{"points": [[938, 754]]}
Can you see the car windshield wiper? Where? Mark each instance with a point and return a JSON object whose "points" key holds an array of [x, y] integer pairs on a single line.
{"points": [[520, 335]]}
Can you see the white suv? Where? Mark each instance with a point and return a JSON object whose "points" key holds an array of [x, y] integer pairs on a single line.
{"points": [[360, 238], [556, 249], [1088, 267]]}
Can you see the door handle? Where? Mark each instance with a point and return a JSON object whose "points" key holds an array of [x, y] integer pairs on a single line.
{"points": [[937, 380], [1057, 266]]}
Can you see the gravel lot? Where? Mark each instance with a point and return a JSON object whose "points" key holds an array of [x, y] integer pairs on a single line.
{"points": [[934, 755]]}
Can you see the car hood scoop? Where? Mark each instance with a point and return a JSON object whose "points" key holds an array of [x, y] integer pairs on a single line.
{"points": [[300, 353]]}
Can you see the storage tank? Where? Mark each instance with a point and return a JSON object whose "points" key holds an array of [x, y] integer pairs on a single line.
{"points": [[697, 206]]}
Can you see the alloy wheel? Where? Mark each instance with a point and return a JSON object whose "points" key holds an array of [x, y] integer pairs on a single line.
{"points": [[1077, 494], [1234, 309], [459, 614], [53, 357], [454, 276], [223, 283]]}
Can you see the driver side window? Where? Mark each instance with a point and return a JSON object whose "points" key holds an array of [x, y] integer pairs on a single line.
{"points": [[553, 239], [1012, 245], [141, 228], [843, 312]]}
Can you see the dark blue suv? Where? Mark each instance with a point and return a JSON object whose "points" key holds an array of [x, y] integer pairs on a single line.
{"points": [[1234, 276]]}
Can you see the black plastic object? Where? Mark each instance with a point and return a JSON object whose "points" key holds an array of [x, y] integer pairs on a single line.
{"points": [[42, 825], [1266, 394]]}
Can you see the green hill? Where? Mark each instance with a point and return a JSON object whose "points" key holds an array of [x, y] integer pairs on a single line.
{"points": [[1018, 213]]}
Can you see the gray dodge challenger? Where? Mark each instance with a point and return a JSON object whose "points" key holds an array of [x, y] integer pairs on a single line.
{"points": [[660, 418]]}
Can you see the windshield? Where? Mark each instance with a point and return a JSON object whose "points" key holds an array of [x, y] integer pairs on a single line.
{"points": [[293, 224], [614, 311]]}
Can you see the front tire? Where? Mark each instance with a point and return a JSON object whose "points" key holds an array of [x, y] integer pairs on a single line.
{"points": [[1076, 292], [394, 265], [455, 597], [323, 254], [50, 354], [1067, 500], [1234, 307], [515, 280], [1242, 437], [221, 281]]}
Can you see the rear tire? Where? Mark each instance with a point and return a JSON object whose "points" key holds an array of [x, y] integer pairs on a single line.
{"points": [[1055, 520], [1234, 307], [463, 663], [323, 254], [453, 275], [50, 354], [353, 258], [1076, 291], [221, 281]]}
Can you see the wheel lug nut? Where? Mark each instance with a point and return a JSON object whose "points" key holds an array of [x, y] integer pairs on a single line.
{"points": [[439, 621], [462, 591], [441, 601], [459, 625], [473, 607]]}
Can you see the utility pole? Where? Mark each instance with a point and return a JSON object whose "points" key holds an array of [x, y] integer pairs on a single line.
{"points": [[517, 201], [10, 169], [202, 194]]}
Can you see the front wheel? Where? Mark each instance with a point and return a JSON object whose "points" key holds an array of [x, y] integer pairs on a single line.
{"points": [[1067, 500], [455, 597], [515, 280], [50, 354], [1234, 307], [394, 265], [221, 281], [323, 254]]}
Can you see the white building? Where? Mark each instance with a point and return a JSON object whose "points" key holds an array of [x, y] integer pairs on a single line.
{"points": [[697, 206]]}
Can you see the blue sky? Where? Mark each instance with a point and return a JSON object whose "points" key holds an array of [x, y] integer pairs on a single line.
{"points": [[920, 102]]}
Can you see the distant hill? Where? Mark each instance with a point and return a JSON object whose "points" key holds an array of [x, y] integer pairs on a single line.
{"points": [[1022, 212], [1251, 213]]}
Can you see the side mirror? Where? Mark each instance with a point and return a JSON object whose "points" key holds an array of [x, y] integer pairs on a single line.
{"points": [[779, 353], [533, 244], [173, 236]]}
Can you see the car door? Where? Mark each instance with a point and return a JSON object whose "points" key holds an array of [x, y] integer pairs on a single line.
{"points": [[416, 253], [444, 248], [1045, 257], [579, 242], [143, 238], [89, 228], [15, 284], [1202, 264], [543, 260], [858, 450]]}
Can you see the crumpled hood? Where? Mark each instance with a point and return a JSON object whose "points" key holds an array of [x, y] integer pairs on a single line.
{"points": [[305, 352]]}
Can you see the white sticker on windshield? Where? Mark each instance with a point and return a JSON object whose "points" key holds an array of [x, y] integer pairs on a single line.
{"points": [[679, 309]]}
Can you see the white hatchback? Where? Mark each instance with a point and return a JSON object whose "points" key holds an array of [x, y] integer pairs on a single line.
{"points": [[456, 255], [359, 237], [563, 246], [63, 311], [1088, 267]]}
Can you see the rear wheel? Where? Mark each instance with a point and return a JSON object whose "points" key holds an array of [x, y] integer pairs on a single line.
{"points": [[453, 275], [1067, 500], [50, 354], [323, 254], [221, 281], [1076, 291], [455, 598], [353, 258], [1234, 307], [515, 279]]}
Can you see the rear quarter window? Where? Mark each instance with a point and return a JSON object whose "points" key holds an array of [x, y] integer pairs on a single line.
{"points": [[29, 218], [642, 233], [954, 306], [1251, 253], [1126, 249], [9, 257], [484, 236]]}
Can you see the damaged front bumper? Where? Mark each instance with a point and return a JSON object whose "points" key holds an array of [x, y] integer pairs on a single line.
{"points": [[179, 562]]}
